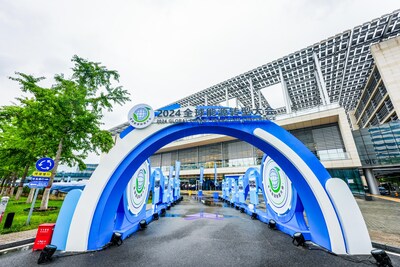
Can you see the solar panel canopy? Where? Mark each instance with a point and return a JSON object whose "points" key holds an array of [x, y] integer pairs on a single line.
{"points": [[344, 62]]}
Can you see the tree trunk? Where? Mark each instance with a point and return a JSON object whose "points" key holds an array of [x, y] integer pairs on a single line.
{"points": [[5, 189], [2, 187], [19, 192], [30, 196], [12, 185], [45, 199], [21, 183], [11, 194]]}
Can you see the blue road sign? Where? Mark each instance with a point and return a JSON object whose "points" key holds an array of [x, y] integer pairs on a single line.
{"points": [[45, 164], [39, 182]]}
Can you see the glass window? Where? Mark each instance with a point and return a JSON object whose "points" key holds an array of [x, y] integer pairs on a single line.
{"points": [[379, 144], [210, 154], [324, 141], [188, 158], [155, 161]]}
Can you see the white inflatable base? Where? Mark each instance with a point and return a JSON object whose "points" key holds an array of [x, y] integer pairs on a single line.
{"points": [[355, 231]]}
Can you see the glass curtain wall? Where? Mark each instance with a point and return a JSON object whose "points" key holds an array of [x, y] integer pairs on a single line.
{"points": [[324, 141], [238, 154], [379, 145], [210, 154], [351, 177]]}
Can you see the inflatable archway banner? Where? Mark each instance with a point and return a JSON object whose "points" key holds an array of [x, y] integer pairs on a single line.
{"points": [[252, 181], [158, 189], [132, 206], [279, 193], [282, 201], [335, 221]]}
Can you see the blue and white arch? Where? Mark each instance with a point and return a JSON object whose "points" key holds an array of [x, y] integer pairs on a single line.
{"points": [[334, 218]]}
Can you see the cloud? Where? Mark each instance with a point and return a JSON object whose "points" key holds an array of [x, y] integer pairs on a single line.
{"points": [[165, 50]]}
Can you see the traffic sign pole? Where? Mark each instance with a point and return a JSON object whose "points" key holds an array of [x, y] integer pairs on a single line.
{"points": [[28, 221]]}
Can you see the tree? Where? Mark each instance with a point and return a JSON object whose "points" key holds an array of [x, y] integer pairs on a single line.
{"points": [[71, 111], [20, 144]]}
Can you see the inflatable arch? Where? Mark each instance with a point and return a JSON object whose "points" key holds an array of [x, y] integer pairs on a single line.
{"points": [[158, 187], [334, 218], [132, 208]]}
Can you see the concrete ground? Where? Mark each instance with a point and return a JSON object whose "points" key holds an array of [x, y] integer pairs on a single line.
{"points": [[382, 216], [13, 238], [192, 234]]}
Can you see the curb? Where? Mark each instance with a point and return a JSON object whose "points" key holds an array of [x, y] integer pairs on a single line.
{"points": [[28, 243], [17, 243], [22, 247], [16, 246], [386, 247]]}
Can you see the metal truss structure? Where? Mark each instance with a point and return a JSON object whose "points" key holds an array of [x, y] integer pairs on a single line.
{"points": [[334, 70]]}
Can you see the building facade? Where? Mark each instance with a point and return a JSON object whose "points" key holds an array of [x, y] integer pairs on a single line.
{"points": [[77, 175], [375, 122]]}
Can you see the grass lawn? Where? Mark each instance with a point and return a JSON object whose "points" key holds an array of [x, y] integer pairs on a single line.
{"points": [[21, 215], [21, 210]]}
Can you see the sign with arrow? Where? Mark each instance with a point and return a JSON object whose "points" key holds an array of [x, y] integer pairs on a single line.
{"points": [[45, 164], [39, 182]]}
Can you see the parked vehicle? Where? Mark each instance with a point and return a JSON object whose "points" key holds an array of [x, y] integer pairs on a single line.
{"points": [[383, 191]]}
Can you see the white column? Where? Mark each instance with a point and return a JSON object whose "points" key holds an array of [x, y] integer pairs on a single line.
{"points": [[321, 81], [371, 181], [321, 94], [205, 100], [259, 99], [253, 105], [345, 66], [227, 97], [285, 93]]}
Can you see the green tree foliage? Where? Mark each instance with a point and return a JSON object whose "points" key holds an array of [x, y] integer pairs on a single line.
{"points": [[64, 120], [18, 147]]}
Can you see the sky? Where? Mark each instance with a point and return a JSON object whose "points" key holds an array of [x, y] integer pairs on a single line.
{"points": [[167, 49]]}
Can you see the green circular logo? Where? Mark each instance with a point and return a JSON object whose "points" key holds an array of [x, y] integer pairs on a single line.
{"points": [[141, 116], [140, 181], [275, 180], [137, 189], [277, 187]]}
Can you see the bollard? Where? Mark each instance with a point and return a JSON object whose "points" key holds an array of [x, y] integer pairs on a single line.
{"points": [[368, 197], [9, 220]]}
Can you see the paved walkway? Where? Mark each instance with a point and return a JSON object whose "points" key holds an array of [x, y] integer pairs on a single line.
{"points": [[17, 236], [382, 216], [193, 234]]}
